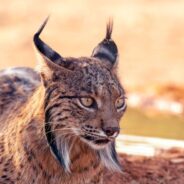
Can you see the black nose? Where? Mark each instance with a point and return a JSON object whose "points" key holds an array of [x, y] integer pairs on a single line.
{"points": [[110, 131]]}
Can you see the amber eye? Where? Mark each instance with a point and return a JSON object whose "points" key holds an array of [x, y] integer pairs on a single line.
{"points": [[120, 103], [87, 102]]}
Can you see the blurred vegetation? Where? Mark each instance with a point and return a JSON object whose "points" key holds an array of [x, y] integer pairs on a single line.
{"points": [[137, 122]]}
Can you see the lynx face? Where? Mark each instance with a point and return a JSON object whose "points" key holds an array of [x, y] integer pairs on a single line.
{"points": [[101, 104], [84, 100]]}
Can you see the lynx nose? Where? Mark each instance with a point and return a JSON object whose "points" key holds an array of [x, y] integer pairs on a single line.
{"points": [[111, 131]]}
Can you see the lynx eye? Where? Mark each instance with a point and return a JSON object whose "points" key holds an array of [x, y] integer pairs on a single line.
{"points": [[87, 102], [120, 103]]}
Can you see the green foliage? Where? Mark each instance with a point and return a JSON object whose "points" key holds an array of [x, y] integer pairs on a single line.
{"points": [[137, 122]]}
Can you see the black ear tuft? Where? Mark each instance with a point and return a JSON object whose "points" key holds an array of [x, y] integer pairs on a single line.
{"points": [[107, 49], [42, 47], [109, 29]]}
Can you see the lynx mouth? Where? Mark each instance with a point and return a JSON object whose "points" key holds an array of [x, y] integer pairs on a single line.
{"points": [[96, 140]]}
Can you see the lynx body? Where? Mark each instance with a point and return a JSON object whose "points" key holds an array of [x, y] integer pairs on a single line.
{"points": [[58, 125]]}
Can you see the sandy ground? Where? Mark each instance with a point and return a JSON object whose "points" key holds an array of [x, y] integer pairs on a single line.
{"points": [[165, 168], [149, 33]]}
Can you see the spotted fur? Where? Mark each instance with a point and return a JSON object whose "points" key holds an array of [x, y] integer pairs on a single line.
{"points": [[46, 134]]}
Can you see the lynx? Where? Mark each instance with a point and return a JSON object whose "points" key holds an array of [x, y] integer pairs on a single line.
{"points": [[58, 124]]}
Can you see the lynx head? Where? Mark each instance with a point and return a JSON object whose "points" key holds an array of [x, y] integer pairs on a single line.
{"points": [[83, 100]]}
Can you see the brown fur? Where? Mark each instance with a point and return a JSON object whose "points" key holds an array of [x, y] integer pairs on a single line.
{"points": [[27, 106]]}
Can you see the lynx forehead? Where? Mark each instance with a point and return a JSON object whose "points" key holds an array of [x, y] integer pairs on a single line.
{"points": [[59, 124]]}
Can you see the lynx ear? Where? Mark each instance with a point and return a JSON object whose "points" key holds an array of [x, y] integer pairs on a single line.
{"points": [[107, 50], [50, 60], [42, 47]]}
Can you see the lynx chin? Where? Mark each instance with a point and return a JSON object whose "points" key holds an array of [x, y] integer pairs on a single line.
{"points": [[58, 123]]}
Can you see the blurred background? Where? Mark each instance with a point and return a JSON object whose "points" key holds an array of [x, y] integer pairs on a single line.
{"points": [[150, 37]]}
